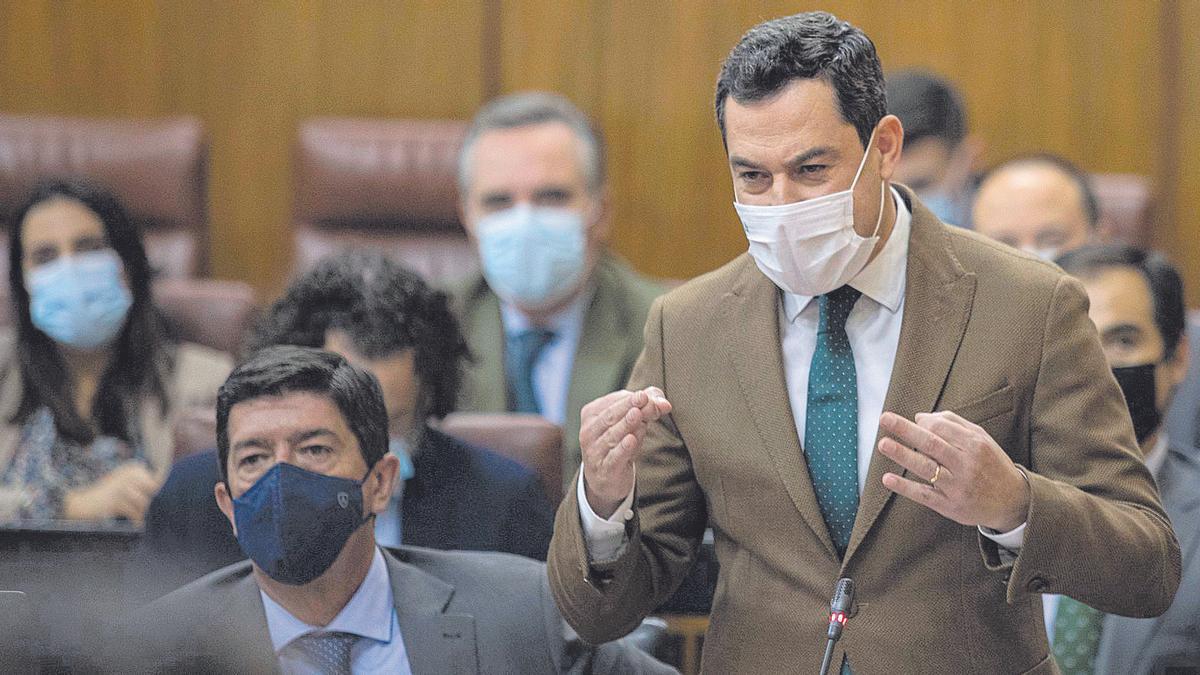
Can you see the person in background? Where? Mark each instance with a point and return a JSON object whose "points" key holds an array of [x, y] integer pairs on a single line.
{"points": [[1137, 306], [940, 158], [450, 495], [90, 383], [1041, 204], [556, 318], [303, 440]]}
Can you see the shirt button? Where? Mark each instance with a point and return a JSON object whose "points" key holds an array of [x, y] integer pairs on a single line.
{"points": [[628, 515], [1036, 585]]}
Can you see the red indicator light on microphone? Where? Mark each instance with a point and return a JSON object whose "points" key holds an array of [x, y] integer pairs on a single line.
{"points": [[839, 617]]}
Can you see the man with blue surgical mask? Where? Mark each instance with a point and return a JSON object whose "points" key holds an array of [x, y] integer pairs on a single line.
{"points": [[302, 438], [555, 319], [940, 157]]}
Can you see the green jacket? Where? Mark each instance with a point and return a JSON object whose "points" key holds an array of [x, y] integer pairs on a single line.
{"points": [[609, 343]]}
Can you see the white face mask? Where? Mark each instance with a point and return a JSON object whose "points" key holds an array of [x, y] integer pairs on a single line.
{"points": [[810, 247]]}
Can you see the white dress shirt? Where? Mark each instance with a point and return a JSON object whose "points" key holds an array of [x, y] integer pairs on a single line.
{"points": [[873, 329], [552, 368], [370, 614], [1154, 461]]}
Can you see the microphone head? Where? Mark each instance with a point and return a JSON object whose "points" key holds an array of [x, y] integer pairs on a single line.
{"points": [[843, 595]]}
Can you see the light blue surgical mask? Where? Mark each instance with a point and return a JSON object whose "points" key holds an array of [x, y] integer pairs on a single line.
{"points": [[945, 207], [533, 256], [79, 300], [399, 448]]}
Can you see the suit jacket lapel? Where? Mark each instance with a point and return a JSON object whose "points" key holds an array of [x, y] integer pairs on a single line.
{"points": [[599, 359], [937, 304], [485, 387], [752, 334], [436, 641], [244, 642]]}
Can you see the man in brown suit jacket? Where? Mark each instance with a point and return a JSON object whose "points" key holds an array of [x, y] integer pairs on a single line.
{"points": [[978, 392]]}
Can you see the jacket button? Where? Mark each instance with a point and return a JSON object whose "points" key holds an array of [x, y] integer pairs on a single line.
{"points": [[1036, 585]]}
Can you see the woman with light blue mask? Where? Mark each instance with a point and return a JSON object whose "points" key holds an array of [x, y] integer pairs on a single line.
{"points": [[90, 384]]}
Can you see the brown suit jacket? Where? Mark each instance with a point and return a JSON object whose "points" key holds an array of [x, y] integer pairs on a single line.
{"points": [[998, 337]]}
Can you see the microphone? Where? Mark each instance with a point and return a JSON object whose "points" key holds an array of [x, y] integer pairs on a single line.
{"points": [[839, 614]]}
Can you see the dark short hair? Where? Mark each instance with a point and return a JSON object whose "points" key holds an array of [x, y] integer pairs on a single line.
{"points": [[1166, 286], [524, 109], [384, 309], [280, 370], [928, 106], [812, 45], [140, 354], [1091, 204]]}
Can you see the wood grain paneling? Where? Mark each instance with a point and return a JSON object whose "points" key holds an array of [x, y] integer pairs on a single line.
{"points": [[1086, 79]]}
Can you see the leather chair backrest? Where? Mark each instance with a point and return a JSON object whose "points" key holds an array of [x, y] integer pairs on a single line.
{"points": [[1126, 207], [157, 168], [388, 185], [530, 440]]}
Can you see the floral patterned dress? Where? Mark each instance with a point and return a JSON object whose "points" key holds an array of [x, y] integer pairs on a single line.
{"points": [[46, 466]]}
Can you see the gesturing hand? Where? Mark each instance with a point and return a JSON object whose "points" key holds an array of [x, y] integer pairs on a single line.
{"points": [[610, 435], [970, 479]]}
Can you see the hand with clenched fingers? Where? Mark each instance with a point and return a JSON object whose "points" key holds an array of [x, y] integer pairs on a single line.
{"points": [[611, 432]]}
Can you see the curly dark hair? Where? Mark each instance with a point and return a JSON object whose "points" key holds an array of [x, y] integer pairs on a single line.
{"points": [[141, 353], [384, 308]]}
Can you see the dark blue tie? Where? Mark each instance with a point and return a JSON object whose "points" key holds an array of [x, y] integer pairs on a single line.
{"points": [[831, 418], [521, 353]]}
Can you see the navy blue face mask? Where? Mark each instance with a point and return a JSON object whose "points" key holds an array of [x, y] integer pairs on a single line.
{"points": [[293, 523]]}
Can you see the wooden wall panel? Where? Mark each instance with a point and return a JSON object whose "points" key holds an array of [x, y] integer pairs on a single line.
{"points": [[1085, 79], [251, 71]]}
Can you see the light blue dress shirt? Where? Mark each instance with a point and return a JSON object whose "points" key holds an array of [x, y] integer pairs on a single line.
{"points": [[552, 369], [370, 614]]}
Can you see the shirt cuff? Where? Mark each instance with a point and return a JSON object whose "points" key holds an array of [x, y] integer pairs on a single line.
{"points": [[605, 538], [1012, 540]]}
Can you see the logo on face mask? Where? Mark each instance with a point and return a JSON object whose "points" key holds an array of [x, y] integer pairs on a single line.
{"points": [[532, 256], [293, 523], [79, 300], [810, 247]]}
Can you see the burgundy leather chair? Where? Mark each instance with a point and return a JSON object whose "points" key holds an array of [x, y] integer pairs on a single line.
{"points": [[387, 185], [1126, 207], [530, 440], [156, 167]]}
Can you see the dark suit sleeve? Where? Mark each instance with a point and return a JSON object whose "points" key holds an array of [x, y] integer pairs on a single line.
{"points": [[528, 520], [1096, 530], [570, 654], [606, 601]]}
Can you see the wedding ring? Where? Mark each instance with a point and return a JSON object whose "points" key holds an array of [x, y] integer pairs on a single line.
{"points": [[936, 473]]}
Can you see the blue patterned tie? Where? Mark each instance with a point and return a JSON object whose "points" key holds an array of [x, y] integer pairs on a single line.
{"points": [[520, 355], [831, 418], [329, 652]]}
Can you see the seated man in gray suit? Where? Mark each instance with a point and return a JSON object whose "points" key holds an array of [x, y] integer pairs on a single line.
{"points": [[303, 446], [1137, 305]]}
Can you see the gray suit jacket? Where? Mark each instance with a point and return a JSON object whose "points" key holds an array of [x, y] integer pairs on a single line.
{"points": [[459, 612], [1169, 643]]}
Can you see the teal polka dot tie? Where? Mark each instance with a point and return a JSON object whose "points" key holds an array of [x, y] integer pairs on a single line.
{"points": [[1076, 636], [831, 418]]}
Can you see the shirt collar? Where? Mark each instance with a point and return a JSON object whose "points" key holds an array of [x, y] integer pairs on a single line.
{"points": [[369, 614], [515, 320], [1157, 454], [883, 279]]}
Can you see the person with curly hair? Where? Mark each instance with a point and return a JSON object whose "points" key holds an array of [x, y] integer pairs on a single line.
{"points": [[451, 495]]}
